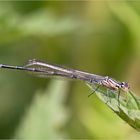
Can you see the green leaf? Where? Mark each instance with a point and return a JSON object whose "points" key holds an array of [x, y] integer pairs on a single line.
{"points": [[125, 106]]}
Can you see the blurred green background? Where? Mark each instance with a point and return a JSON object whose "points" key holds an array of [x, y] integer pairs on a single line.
{"points": [[97, 37]]}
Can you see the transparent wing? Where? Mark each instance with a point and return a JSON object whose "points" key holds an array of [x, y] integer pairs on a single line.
{"points": [[42, 69]]}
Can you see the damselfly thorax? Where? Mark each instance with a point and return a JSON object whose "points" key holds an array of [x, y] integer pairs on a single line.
{"points": [[114, 85]]}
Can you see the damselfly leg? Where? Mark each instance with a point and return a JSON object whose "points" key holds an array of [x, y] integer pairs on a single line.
{"points": [[94, 91], [108, 96], [119, 97]]}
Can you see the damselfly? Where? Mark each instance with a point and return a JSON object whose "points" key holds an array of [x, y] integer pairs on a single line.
{"points": [[42, 69]]}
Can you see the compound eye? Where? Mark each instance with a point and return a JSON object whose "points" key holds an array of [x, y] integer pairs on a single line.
{"points": [[125, 86]]}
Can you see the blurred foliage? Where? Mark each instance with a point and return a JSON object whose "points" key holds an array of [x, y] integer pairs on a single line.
{"points": [[43, 122], [98, 37]]}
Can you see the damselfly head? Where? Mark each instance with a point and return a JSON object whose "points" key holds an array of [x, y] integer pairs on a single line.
{"points": [[125, 86]]}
